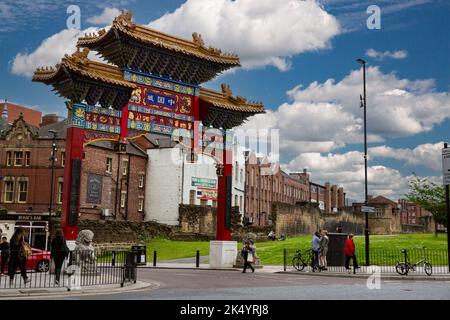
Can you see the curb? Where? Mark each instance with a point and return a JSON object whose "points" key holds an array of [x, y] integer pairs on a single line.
{"points": [[191, 268], [365, 276], [63, 292]]}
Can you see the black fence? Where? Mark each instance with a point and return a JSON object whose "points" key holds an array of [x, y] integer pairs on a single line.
{"points": [[78, 269], [397, 261]]}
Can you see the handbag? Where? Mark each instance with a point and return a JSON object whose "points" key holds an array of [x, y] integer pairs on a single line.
{"points": [[25, 250], [250, 257]]}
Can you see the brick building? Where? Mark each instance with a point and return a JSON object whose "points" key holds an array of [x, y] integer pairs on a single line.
{"points": [[11, 111], [113, 183], [266, 183], [411, 213]]}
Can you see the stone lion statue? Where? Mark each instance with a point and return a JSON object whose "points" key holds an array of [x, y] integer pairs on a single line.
{"points": [[84, 253]]}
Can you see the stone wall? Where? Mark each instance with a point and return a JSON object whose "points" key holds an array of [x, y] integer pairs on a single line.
{"points": [[125, 231], [295, 220], [390, 225]]}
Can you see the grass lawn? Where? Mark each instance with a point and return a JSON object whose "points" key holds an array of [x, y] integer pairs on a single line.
{"points": [[271, 252]]}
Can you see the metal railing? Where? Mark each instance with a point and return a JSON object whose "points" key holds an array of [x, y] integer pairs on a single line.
{"points": [[78, 269], [385, 259]]}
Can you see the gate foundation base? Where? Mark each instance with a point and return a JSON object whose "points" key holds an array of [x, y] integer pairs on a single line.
{"points": [[222, 254]]}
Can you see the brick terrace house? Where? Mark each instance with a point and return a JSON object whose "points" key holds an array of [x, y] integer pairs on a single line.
{"points": [[411, 213], [11, 111], [266, 183], [113, 182]]}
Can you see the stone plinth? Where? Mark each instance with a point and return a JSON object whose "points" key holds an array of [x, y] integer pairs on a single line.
{"points": [[222, 254]]}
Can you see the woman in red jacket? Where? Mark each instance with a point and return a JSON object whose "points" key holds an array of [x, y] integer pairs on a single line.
{"points": [[349, 251]]}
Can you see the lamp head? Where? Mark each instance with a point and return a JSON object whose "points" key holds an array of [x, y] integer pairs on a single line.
{"points": [[361, 61]]}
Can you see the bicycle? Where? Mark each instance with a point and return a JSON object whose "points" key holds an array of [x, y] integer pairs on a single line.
{"points": [[403, 268], [302, 259]]}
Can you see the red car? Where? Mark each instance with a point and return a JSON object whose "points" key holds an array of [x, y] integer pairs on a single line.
{"points": [[39, 261]]}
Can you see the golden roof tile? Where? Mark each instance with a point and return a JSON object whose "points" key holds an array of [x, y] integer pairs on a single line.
{"points": [[124, 24]]}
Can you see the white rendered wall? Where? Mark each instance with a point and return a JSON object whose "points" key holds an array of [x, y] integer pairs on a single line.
{"points": [[163, 184]]}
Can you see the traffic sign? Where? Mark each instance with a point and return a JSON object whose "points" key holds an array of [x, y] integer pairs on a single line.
{"points": [[367, 209], [446, 166]]}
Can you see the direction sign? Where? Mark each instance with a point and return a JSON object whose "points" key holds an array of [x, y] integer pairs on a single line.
{"points": [[367, 209], [446, 166]]}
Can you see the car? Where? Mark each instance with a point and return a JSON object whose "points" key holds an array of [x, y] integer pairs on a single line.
{"points": [[38, 261]]}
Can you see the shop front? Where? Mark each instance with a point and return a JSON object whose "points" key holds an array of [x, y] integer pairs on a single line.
{"points": [[36, 228]]}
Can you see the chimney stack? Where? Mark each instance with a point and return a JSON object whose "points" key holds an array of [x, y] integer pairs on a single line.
{"points": [[5, 110]]}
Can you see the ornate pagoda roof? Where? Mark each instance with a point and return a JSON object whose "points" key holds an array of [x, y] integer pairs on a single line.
{"points": [[128, 45], [79, 78], [93, 80], [225, 100]]}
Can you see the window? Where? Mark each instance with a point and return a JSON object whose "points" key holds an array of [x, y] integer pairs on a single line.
{"points": [[141, 205], [123, 199], [60, 191], [23, 191], [18, 158], [203, 203], [9, 191], [141, 181], [214, 203], [192, 197], [9, 159], [241, 173], [235, 200], [63, 159], [125, 167], [109, 165], [27, 158]]}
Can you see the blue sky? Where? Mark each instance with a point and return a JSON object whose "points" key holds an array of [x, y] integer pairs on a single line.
{"points": [[289, 52]]}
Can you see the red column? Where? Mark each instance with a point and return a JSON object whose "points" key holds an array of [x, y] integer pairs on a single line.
{"points": [[124, 124], [222, 233], [74, 151]]}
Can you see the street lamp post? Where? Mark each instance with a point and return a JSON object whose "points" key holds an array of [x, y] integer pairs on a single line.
{"points": [[364, 104], [52, 159]]}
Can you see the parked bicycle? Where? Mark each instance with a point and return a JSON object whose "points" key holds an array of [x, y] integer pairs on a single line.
{"points": [[403, 267], [303, 259]]}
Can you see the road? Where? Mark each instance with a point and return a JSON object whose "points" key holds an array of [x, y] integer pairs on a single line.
{"points": [[233, 285]]}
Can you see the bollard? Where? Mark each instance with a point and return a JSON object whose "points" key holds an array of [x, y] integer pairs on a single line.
{"points": [[284, 259], [197, 259], [154, 258]]}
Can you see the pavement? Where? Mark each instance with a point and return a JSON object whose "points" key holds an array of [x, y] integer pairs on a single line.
{"points": [[6, 294]]}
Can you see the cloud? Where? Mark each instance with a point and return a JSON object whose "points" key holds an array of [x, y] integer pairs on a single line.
{"points": [[105, 18], [428, 155], [325, 116], [347, 170], [49, 52], [263, 32], [399, 54]]}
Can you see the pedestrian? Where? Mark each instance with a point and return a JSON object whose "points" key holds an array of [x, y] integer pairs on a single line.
{"points": [[4, 248], [248, 253], [315, 244], [19, 252], [349, 252], [324, 241], [59, 252]]}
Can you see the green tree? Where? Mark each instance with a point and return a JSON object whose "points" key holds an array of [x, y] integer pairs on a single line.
{"points": [[429, 196]]}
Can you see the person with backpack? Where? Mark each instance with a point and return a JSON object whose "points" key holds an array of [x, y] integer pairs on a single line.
{"points": [[59, 252], [19, 252]]}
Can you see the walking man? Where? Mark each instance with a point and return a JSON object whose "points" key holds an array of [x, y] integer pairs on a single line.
{"points": [[349, 252], [315, 243]]}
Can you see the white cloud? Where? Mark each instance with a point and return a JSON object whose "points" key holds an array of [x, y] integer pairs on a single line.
{"points": [[347, 170], [399, 54], [428, 155], [49, 52], [325, 116], [263, 32], [104, 18]]}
